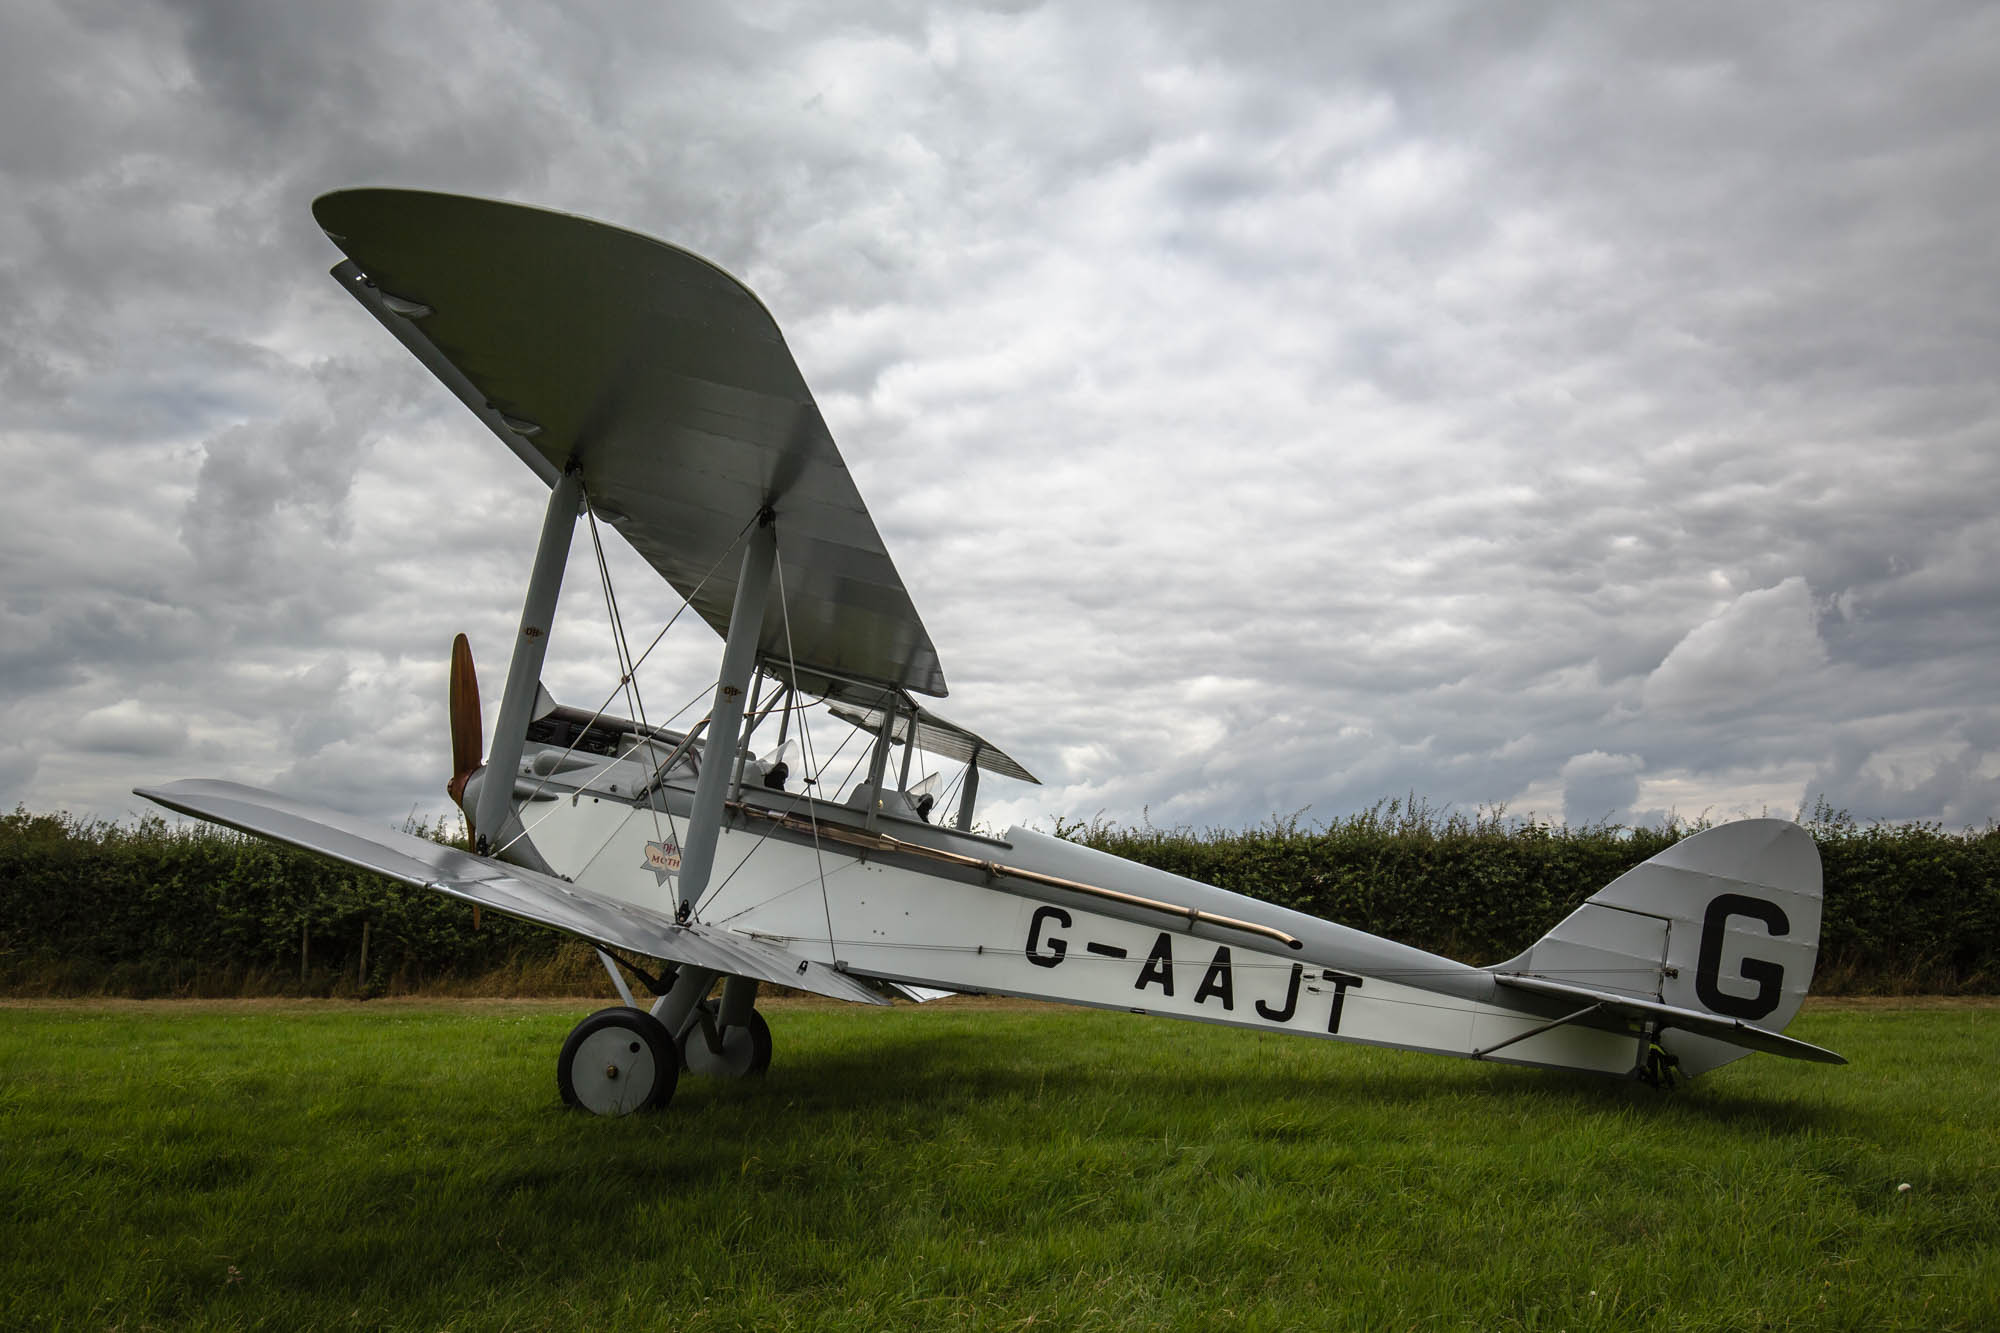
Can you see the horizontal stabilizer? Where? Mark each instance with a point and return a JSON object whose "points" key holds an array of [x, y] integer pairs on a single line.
{"points": [[527, 894], [1732, 1030]]}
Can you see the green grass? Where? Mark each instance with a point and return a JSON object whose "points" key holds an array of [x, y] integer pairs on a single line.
{"points": [[306, 1165]]}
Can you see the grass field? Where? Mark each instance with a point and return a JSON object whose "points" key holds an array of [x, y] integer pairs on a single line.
{"points": [[307, 1165]]}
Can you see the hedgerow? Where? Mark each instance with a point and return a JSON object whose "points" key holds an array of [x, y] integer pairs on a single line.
{"points": [[153, 909], [1910, 908]]}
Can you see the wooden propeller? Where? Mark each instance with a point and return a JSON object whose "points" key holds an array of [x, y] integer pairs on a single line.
{"points": [[468, 740]]}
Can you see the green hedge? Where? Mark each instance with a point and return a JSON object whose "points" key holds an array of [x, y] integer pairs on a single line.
{"points": [[157, 909], [154, 909], [1909, 907]]}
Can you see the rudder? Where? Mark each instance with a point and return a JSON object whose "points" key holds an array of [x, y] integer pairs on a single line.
{"points": [[1726, 922]]}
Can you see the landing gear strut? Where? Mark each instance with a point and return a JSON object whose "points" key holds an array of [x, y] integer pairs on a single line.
{"points": [[625, 1059], [726, 1038], [1660, 1069], [739, 1050]]}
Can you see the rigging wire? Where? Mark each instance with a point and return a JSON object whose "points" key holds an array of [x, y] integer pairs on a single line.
{"points": [[808, 882], [645, 792], [841, 786], [805, 783], [944, 797], [769, 828], [814, 781], [628, 676], [686, 602], [805, 740], [584, 782], [569, 749]]}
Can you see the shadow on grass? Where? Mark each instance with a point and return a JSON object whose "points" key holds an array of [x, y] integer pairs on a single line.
{"points": [[928, 1078], [853, 1140], [946, 1128]]}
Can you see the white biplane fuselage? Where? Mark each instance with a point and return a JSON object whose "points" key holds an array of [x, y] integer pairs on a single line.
{"points": [[652, 392]]}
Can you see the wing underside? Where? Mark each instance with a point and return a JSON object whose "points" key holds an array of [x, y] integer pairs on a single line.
{"points": [[518, 892], [665, 383], [937, 736]]}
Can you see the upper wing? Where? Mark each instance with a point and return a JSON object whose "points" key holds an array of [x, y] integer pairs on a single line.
{"points": [[666, 382], [527, 894], [937, 736]]}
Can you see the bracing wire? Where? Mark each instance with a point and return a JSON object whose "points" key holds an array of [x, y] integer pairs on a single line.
{"points": [[641, 659], [616, 829], [805, 785], [594, 773], [841, 786], [763, 837], [944, 801], [805, 792], [805, 741], [627, 670], [813, 780], [626, 675]]}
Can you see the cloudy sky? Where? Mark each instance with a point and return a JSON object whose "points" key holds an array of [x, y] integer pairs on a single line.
{"points": [[1271, 407]]}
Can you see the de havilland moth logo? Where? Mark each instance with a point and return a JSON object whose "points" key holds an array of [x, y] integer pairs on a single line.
{"points": [[663, 859]]}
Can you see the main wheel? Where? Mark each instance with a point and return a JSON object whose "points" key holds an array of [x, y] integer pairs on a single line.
{"points": [[616, 1062], [746, 1047]]}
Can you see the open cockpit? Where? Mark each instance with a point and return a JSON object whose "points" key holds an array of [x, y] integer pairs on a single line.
{"points": [[572, 753]]}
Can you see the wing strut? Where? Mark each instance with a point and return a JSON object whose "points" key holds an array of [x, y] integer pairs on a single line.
{"points": [[524, 674], [971, 776], [725, 717]]}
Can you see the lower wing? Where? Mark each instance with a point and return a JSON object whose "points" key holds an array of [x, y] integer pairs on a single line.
{"points": [[518, 892]]}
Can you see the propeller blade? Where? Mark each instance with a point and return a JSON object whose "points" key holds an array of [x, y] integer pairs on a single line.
{"points": [[468, 739]]}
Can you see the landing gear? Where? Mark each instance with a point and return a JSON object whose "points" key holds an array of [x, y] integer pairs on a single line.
{"points": [[724, 1038], [624, 1059], [1660, 1069], [618, 1061], [738, 1051]]}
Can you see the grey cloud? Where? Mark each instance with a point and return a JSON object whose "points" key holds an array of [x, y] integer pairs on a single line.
{"points": [[1274, 409], [1600, 787], [18, 766], [1956, 783], [1748, 654], [128, 727], [261, 489]]}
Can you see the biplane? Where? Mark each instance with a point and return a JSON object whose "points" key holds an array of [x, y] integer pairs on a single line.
{"points": [[654, 395]]}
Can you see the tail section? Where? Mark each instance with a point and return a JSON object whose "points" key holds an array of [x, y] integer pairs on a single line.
{"points": [[1723, 924]]}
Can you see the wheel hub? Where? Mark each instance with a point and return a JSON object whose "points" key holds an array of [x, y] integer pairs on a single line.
{"points": [[618, 1061]]}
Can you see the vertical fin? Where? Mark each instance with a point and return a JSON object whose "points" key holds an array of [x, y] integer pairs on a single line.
{"points": [[1725, 922]]}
